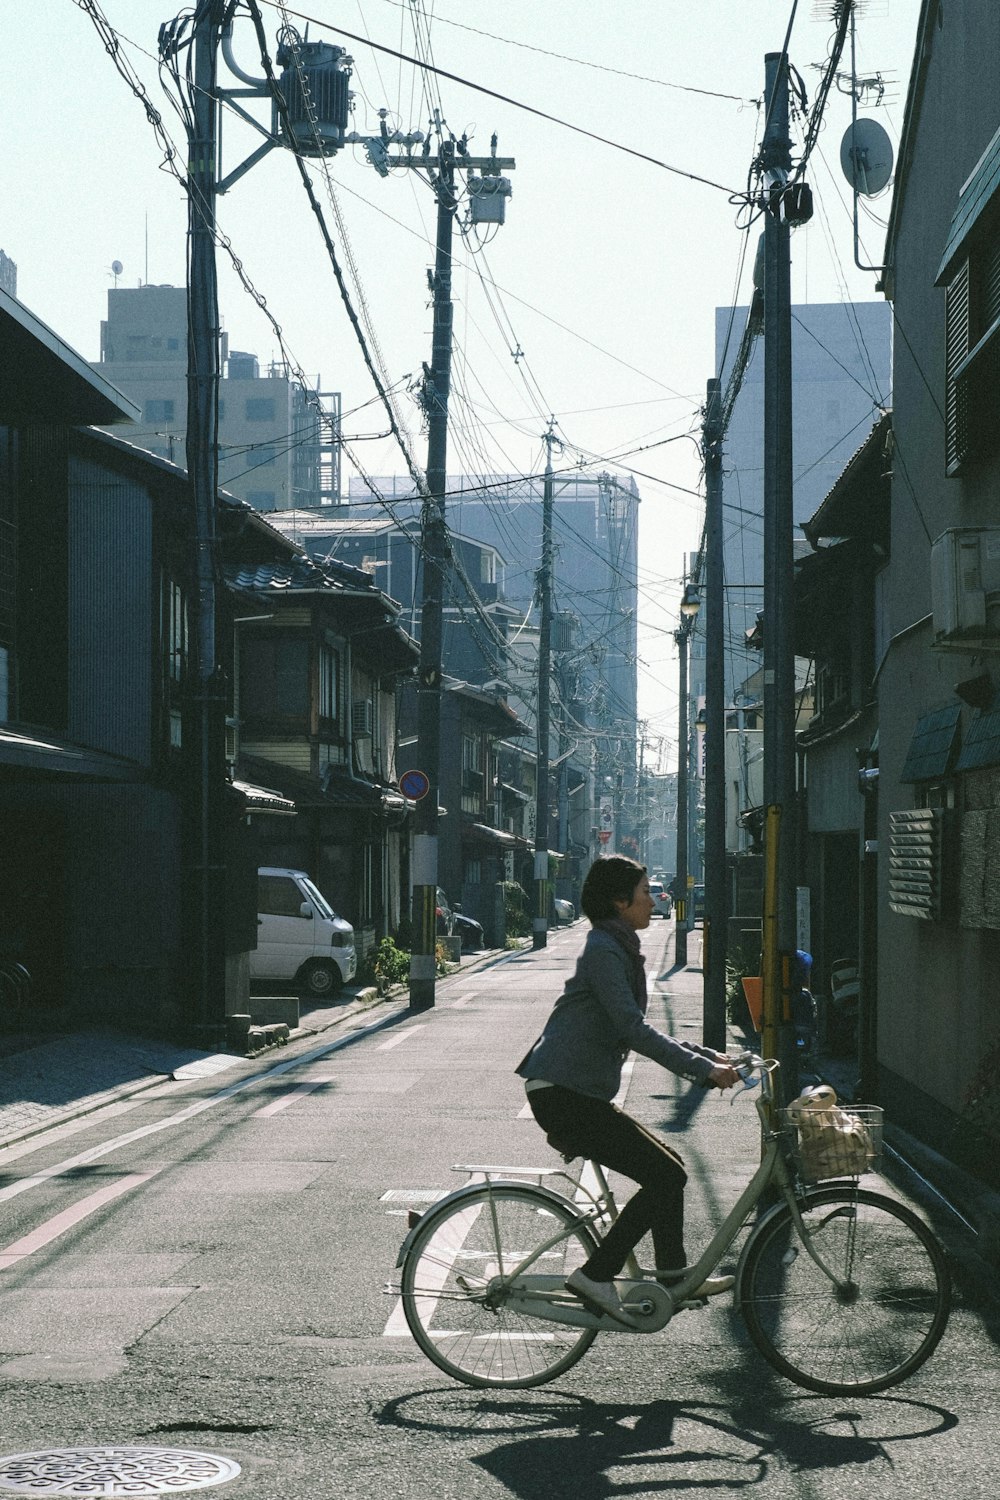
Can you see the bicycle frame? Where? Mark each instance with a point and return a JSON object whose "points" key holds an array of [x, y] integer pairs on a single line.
{"points": [[546, 1297]]}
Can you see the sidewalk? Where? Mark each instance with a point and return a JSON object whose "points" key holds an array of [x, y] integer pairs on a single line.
{"points": [[46, 1080]]}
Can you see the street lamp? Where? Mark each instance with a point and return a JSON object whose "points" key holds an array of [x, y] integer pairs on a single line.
{"points": [[690, 604]]}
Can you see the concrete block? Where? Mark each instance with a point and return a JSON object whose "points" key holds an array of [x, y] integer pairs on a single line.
{"points": [[267, 1010]]}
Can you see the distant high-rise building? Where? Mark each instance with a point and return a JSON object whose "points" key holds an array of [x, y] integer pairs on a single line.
{"points": [[8, 275], [841, 383], [278, 440]]}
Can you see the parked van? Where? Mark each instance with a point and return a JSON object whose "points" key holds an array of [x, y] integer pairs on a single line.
{"points": [[300, 938]]}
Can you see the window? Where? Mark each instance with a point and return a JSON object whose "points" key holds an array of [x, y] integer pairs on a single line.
{"points": [[278, 896], [260, 409], [174, 630], [472, 754], [159, 412], [274, 678], [970, 274], [329, 683]]}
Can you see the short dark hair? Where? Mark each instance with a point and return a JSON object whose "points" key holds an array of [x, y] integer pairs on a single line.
{"points": [[611, 878]]}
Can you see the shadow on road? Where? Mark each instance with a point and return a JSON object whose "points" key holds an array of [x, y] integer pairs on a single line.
{"points": [[562, 1445]]}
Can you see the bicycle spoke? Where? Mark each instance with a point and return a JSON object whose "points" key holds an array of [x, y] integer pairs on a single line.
{"points": [[876, 1322], [456, 1279]]}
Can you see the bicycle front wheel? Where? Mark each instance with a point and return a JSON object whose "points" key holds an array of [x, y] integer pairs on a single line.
{"points": [[452, 1286], [869, 1323]]}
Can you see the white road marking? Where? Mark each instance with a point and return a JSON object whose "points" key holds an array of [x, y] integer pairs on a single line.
{"points": [[277, 1105], [394, 1041], [17, 1250]]}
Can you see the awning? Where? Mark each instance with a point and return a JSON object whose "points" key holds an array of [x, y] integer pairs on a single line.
{"points": [[974, 198], [932, 748], [261, 799], [981, 743], [39, 753], [43, 380], [486, 835]]}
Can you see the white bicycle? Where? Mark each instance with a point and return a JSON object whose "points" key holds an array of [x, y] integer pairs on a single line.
{"points": [[843, 1290]]}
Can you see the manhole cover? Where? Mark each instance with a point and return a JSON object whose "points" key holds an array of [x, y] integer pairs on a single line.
{"points": [[113, 1471]]}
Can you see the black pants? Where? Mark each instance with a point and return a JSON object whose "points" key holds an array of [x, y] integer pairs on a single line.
{"points": [[576, 1125]]}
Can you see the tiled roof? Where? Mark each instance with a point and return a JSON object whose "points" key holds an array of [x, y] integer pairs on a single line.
{"points": [[299, 573]]}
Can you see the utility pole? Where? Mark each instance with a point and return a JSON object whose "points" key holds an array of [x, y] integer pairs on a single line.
{"points": [[204, 723], [434, 553], [540, 923], [689, 608], [779, 924], [716, 884], [487, 194]]}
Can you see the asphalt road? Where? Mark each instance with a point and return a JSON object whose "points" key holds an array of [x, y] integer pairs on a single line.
{"points": [[204, 1268]]}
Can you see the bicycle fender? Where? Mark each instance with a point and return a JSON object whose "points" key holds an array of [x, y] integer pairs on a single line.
{"points": [[473, 1189]]}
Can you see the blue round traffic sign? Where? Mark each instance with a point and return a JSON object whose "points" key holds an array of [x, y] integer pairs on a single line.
{"points": [[414, 784]]}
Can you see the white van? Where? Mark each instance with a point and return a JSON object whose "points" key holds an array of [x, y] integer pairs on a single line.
{"points": [[300, 938]]}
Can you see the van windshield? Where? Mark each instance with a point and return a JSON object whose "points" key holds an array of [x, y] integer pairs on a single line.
{"points": [[317, 898]]}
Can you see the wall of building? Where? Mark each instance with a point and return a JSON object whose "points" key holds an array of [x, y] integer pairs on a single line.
{"points": [[937, 980]]}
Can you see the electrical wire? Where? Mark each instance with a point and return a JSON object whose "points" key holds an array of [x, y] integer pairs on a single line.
{"points": [[515, 103]]}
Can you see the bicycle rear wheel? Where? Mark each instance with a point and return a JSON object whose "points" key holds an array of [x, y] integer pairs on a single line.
{"points": [[872, 1327], [453, 1297]]}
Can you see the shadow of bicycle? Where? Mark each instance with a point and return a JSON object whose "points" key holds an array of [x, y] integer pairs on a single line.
{"points": [[554, 1445]]}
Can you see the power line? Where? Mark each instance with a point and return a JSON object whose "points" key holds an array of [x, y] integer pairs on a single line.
{"points": [[530, 109]]}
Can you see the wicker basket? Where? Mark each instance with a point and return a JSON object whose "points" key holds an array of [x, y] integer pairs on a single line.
{"points": [[839, 1142]]}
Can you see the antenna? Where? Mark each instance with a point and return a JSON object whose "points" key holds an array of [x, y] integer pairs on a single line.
{"points": [[116, 270], [865, 155]]}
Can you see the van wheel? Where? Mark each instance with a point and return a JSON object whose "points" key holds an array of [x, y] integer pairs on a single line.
{"points": [[320, 979]]}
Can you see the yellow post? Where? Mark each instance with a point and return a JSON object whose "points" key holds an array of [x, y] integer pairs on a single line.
{"points": [[771, 1009]]}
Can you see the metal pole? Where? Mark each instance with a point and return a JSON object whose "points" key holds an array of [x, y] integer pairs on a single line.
{"points": [[681, 905], [716, 884], [434, 553], [540, 923], [779, 659], [204, 728]]}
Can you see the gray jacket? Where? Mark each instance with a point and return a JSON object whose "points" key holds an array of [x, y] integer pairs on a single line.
{"points": [[597, 1022]]}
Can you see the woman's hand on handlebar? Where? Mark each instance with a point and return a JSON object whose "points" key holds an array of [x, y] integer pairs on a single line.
{"points": [[723, 1076]]}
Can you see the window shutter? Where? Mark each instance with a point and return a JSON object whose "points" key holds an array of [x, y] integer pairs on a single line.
{"points": [[990, 289], [957, 347]]}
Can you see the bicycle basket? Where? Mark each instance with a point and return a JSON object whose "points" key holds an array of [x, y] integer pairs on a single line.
{"points": [[835, 1142]]}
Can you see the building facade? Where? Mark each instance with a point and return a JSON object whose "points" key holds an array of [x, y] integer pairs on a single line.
{"points": [[278, 439]]}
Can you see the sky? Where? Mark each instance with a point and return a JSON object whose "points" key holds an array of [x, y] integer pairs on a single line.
{"points": [[594, 303]]}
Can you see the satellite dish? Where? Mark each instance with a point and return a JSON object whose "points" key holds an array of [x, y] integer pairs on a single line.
{"points": [[866, 157], [116, 268]]}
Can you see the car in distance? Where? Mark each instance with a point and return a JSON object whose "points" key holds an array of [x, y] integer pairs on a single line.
{"points": [[565, 910], [662, 904], [469, 931], [300, 938]]}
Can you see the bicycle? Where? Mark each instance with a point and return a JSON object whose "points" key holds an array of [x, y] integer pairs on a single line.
{"points": [[843, 1290]]}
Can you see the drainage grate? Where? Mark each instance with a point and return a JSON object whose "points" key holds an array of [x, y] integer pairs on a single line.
{"points": [[113, 1471]]}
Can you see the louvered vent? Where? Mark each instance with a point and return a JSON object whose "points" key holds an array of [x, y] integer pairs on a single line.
{"points": [[916, 856], [363, 718]]}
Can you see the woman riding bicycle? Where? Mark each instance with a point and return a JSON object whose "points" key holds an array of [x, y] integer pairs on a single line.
{"points": [[573, 1071]]}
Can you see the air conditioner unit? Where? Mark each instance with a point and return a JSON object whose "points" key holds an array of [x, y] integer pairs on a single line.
{"points": [[965, 586], [363, 718]]}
